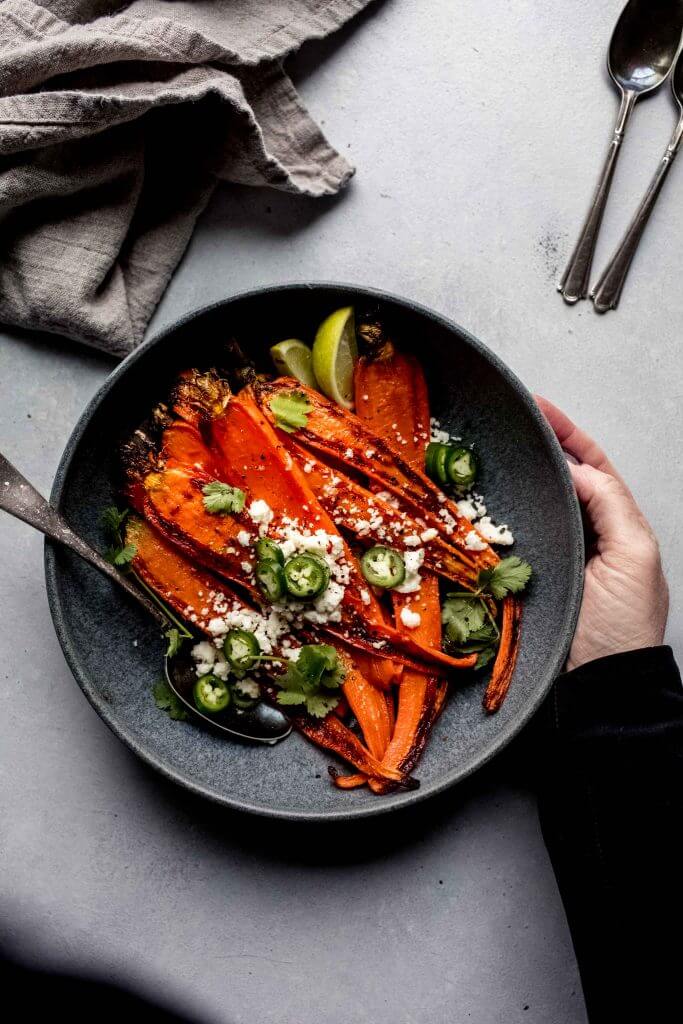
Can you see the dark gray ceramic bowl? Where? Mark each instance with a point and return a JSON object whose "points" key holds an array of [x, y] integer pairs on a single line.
{"points": [[116, 654]]}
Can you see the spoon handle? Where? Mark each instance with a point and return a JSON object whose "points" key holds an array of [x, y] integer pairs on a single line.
{"points": [[575, 280], [607, 291], [22, 500]]}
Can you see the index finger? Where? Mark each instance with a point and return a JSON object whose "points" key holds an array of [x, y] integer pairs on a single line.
{"points": [[576, 441]]}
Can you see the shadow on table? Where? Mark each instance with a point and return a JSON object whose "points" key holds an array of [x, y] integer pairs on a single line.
{"points": [[353, 842]]}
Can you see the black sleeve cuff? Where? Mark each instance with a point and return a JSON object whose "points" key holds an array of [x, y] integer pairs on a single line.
{"points": [[637, 688]]}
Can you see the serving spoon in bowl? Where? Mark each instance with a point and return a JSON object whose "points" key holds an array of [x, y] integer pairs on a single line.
{"points": [[263, 724], [641, 54]]}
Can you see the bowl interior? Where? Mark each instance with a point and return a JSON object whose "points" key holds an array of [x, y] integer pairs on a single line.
{"points": [[116, 654]]}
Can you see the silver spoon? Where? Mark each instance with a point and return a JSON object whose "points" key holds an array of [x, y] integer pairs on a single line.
{"points": [[607, 291], [641, 54], [20, 499]]}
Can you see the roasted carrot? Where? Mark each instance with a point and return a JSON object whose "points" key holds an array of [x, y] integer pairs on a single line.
{"points": [[331, 734], [506, 659], [391, 393], [184, 587], [341, 438], [370, 707]]}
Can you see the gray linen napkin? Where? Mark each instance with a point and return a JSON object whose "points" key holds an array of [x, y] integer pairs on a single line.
{"points": [[116, 121]]}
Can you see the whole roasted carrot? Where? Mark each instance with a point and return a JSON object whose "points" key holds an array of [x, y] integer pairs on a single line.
{"points": [[506, 658], [391, 394]]}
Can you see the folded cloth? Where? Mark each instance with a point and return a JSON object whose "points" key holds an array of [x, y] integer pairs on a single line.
{"points": [[117, 119]]}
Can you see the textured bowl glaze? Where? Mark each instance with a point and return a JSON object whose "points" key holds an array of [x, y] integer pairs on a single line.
{"points": [[524, 479]]}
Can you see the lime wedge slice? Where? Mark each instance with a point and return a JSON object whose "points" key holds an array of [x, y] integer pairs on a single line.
{"points": [[335, 352], [293, 358]]}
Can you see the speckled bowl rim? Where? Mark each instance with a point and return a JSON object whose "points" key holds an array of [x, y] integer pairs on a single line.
{"points": [[384, 806]]}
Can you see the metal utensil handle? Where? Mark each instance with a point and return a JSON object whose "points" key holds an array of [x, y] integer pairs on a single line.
{"points": [[575, 280], [22, 500], [608, 290]]}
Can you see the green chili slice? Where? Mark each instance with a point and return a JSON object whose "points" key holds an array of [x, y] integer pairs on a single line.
{"points": [[211, 694], [435, 462], [306, 577], [241, 648], [383, 567], [268, 550], [271, 579], [461, 467]]}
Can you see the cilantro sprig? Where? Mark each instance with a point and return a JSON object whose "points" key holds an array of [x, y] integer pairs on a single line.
{"points": [[118, 553], [469, 626], [508, 577], [166, 700], [221, 499], [290, 411], [312, 681]]}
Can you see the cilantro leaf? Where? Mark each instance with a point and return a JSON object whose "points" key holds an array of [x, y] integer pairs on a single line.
{"points": [[291, 697], [118, 553], [166, 700], [220, 498], [485, 656], [112, 520], [320, 704], [290, 410], [310, 678], [125, 554], [462, 616], [175, 641], [508, 577]]}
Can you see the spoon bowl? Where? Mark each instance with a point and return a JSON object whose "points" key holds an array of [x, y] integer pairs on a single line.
{"points": [[262, 724], [644, 44]]}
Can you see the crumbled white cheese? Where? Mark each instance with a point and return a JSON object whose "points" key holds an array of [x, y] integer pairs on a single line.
{"points": [[248, 688], [449, 522], [413, 541], [246, 567], [348, 454], [365, 596], [220, 669], [413, 561], [261, 513], [473, 541], [244, 538], [410, 619], [204, 655], [428, 535], [330, 599], [471, 506], [495, 534], [217, 627], [388, 497]]}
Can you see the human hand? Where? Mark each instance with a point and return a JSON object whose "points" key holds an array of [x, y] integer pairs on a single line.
{"points": [[626, 598]]}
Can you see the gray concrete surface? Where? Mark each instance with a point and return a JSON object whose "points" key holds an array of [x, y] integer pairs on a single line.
{"points": [[476, 156]]}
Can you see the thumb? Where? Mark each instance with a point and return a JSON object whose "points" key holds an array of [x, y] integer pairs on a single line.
{"points": [[610, 507]]}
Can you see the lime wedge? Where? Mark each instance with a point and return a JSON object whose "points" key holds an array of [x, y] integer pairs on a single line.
{"points": [[334, 356], [294, 359]]}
